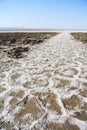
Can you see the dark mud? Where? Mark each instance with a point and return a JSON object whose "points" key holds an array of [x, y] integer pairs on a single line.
{"points": [[80, 37], [14, 44]]}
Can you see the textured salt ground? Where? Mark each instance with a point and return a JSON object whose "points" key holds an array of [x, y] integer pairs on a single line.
{"points": [[47, 89]]}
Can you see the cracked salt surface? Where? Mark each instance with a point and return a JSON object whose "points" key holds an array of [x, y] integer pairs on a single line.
{"points": [[53, 77]]}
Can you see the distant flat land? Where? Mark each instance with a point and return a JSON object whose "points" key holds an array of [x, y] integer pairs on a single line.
{"points": [[42, 30]]}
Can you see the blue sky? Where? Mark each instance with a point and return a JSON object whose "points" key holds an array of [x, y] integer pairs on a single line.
{"points": [[54, 14]]}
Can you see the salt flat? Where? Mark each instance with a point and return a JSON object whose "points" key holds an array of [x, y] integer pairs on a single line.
{"points": [[41, 30], [47, 89]]}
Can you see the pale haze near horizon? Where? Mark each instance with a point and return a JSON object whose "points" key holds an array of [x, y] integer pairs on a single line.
{"points": [[44, 14]]}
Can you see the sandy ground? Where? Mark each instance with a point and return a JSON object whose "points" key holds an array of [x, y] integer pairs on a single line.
{"points": [[47, 89]]}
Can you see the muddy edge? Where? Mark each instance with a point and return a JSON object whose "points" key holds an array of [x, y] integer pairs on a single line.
{"points": [[14, 44], [81, 36]]}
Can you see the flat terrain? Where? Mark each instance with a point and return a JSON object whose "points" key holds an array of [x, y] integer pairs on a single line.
{"points": [[43, 82]]}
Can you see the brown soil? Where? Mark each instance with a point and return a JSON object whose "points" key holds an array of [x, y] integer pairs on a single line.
{"points": [[13, 101], [62, 83], [1, 104], [19, 94], [2, 89], [81, 115], [31, 106], [15, 95], [50, 99], [66, 126], [72, 88], [72, 102], [84, 93], [15, 76], [27, 84], [8, 125], [80, 37], [85, 106], [85, 84]]}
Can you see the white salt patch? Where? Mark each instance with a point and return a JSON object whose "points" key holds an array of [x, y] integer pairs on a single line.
{"points": [[82, 124]]}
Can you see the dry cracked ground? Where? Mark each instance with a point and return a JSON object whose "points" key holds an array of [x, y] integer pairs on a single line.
{"points": [[43, 85]]}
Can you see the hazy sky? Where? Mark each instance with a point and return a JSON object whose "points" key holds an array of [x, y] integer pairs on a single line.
{"points": [[57, 14]]}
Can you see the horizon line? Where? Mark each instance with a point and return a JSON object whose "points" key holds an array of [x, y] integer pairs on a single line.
{"points": [[24, 28], [32, 29]]}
